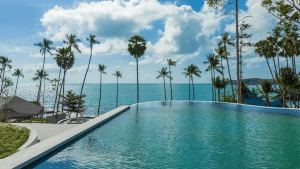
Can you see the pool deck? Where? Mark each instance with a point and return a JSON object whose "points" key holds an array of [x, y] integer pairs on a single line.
{"points": [[45, 131]]}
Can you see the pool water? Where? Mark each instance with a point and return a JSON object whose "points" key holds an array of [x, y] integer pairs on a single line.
{"points": [[185, 135]]}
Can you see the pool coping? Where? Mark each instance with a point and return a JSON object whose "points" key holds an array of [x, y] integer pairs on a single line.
{"points": [[32, 139], [29, 155]]}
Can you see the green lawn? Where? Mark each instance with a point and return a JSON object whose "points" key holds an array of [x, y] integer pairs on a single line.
{"points": [[12, 138]]}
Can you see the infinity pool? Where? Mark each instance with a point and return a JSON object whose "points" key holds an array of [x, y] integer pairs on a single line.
{"points": [[185, 135]]}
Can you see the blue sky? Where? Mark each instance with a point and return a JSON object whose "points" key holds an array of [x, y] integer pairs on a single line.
{"points": [[183, 30]]}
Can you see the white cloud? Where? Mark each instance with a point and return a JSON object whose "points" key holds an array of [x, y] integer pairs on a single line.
{"points": [[185, 31], [80, 69]]}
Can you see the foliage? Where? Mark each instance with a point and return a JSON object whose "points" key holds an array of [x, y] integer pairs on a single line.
{"points": [[12, 138], [72, 101], [137, 46], [229, 97]]}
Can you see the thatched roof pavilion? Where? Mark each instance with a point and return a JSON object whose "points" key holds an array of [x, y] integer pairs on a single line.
{"points": [[14, 107]]}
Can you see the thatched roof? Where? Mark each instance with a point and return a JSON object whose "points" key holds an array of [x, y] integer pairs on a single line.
{"points": [[18, 107]]}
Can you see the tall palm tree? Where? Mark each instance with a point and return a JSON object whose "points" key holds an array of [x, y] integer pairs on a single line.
{"points": [[220, 84], [171, 63], [163, 73], [67, 63], [265, 48], [38, 76], [194, 71], [137, 48], [188, 73], [92, 41], [101, 69], [17, 72], [5, 63], [72, 41], [226, 40], [61, 54], [213, 62], [44, 47], [117, 74], [221, 54]]}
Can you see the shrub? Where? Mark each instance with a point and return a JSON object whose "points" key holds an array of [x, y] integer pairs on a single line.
{"points": [[12, 138]]}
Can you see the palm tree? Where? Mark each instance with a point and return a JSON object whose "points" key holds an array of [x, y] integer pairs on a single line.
{"points": [[194, 71], [171, 63], [92, 41], [17, 72], [227, 40], [101, 69], [244, 91], [220, 84], [45, 47], [72, 41], [163, 73], [38, 76], [264, 48], [117, 74], [137, 48], [266, 90], [61, 54], [5, 63], [213, 65], [221, 54], [187, 73], [67, 63]]}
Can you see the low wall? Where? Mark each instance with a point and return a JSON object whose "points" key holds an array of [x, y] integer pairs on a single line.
{"points": [[31, 154], [32, 139], [51, 119]]}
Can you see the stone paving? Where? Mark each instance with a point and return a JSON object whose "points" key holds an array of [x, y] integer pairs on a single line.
{"points": [[45, 130]]}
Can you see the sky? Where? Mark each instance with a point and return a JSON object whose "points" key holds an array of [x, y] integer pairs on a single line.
{"points": [[181, 30]]}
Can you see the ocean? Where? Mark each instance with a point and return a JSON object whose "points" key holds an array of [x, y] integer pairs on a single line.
{"points": [[127, 94]]}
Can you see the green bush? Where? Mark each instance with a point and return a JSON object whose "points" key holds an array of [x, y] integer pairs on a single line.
{"points": [[229, 97], [12, 138]]}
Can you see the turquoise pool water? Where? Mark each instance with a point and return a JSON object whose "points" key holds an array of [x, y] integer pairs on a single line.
{"points": [[185, 135]]}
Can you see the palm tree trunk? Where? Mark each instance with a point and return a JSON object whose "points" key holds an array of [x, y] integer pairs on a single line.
{"points": [[284, 98], [189, 88], [137, 79], [287, 61], [290, 97], [271, 73], [276, 73], [223, 76], [215, 88], [212, 85], [61, 86], [219, 95], [17, 85], [267, 100], [230, 78], [193, 89], [100, 92], [237, 53], [57, 92], [39, 92], [2, 81], [117, 91], [170, 82], [84, 81], [62, 105], [165, 89]]}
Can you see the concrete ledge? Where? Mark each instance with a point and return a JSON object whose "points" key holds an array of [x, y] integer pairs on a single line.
{"points": [[33, 153], [31, 140]]}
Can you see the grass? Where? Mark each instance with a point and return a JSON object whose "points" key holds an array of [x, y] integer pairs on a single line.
{"points": [[12, 138]]}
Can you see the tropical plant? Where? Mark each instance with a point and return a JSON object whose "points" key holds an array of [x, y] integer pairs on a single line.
{"points": [[213, 62], [117, 74], [187, 73], [17, 72], [137, 48], [171, 63], [5, 63], [244, 91], [266, 90], [71, 101], [221, 54], [101, 69], [39, 76], [72, 41], [163, 73], [220, 84], [92, 41], [194, 70], [226, 40], [44, 47]]}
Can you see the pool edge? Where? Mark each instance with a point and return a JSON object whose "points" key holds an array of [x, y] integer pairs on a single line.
{"points": [[29, 155]]}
